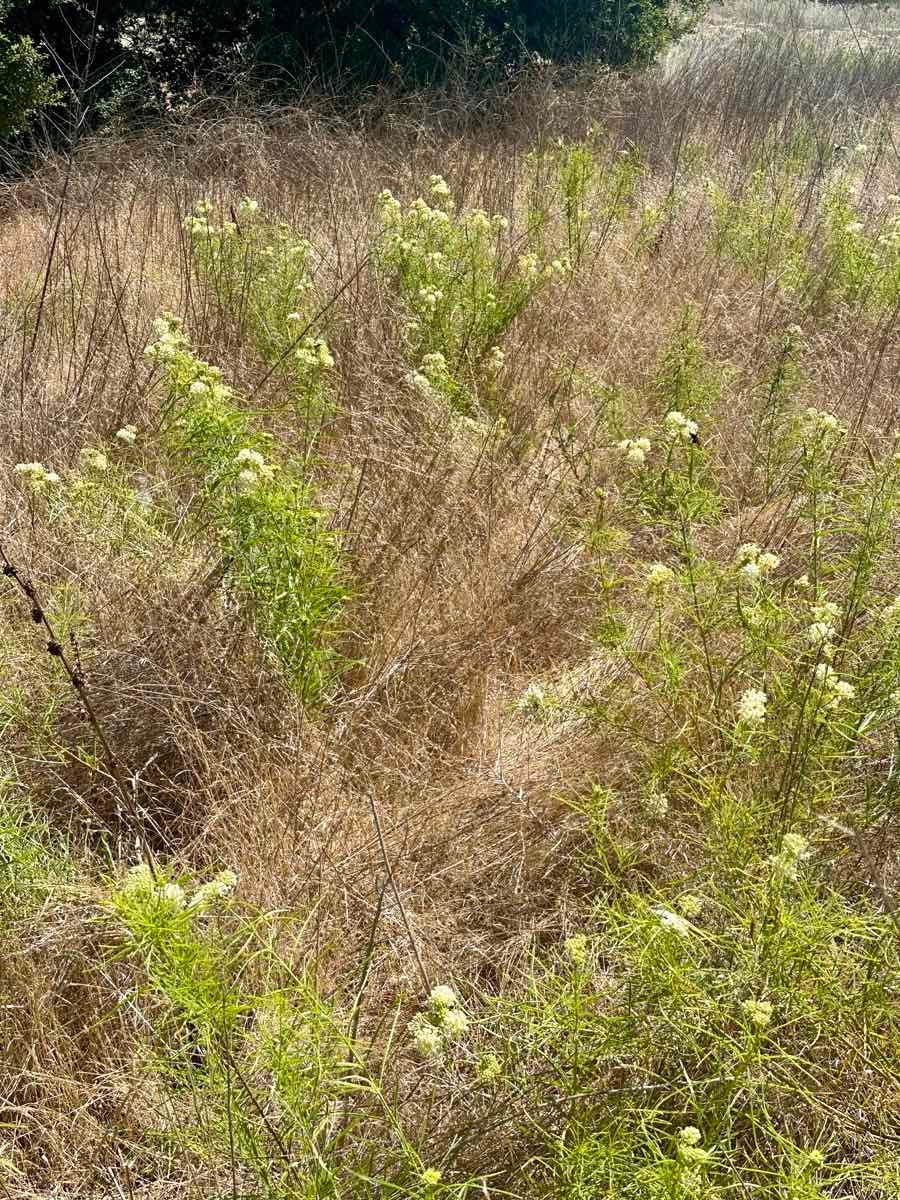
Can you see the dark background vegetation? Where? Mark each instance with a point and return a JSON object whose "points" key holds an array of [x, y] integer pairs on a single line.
{"points": [[137, 56]]}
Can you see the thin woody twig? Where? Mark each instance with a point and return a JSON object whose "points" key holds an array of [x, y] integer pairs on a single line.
{"points": [[76, 678]]}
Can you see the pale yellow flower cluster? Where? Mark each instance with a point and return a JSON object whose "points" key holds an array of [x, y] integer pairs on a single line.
{"points": [[36, 475], [679, 427], [751, 707], [253, 470], [794, 848], [634, 450], [443, 1021], [753, 562]]}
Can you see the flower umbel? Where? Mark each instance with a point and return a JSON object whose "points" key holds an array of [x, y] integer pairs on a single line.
{"points": [[794, 848], [751, 707], [427, 1038], [659, 577], [757, 1012], [679, 427], [635, 450], [576, 948], [441, 998], [753, 562]]}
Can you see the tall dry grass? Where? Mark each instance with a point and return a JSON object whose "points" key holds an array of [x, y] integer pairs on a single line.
{"points": [[414, 823]]}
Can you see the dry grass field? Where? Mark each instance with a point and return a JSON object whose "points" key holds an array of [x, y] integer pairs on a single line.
{"points": [[450, 640]]}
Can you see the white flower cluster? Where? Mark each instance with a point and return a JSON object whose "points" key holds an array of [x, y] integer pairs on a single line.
{"points": [[751, 707], [430, 297], [659, 577], [679, 427], [127, 434], [142, 885], [313, 352], [423, 213], [216, 889], [92, 459], [389, 205], [198, 224], [432, 377], [672, 921], [495, 360], [435, 365], [690, 1152], [430, 235], [440, 189], [442, 1021], [197, 221], [488, 1068], [822, 630], [634, 450], [529, 265], [817, 425], [576, 948], [478, 222], [533, 701], [36, 475], [757, 1012], [835, 689], [253, 469], [794, 848], [753, 562], [205, 386], [654, 802], [169, 338]]}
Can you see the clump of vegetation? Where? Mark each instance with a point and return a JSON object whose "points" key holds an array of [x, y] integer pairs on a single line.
{"points": [[460, 291], [498, 796], [260, 273], [407, 44], [276, 547], [26, 85]]}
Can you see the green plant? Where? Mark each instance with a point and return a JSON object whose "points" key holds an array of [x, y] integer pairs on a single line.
{"points": [[460, 290], [34, 861], [25, 85], [276, 549], [859, 267], [241, 1050], [260, 272], [758, 228]]}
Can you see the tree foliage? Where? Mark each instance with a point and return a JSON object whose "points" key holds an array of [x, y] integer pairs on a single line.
{"points": [[371, 40], [25, 85], [159, 49]]}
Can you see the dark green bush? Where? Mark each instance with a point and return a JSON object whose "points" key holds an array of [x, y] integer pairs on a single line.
{"points": [[25, 85], [617, 32], [354, 41], [342, 44]]}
